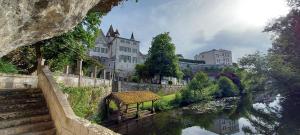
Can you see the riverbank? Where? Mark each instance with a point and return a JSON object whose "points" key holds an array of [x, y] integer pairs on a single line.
{"points": [[213, 106], [165, 103], [169, 102]]}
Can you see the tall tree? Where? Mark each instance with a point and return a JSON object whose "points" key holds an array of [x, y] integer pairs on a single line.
{"points": [[285, 52], [142, 71], [62, 50], [258, 71], [162, 60]]}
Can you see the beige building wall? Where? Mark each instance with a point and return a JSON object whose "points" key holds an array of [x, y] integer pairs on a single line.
{"points": [[123, 54], [215, 57]]}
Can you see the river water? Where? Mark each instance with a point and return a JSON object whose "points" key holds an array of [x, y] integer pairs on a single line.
{"points": [[259, 117]]}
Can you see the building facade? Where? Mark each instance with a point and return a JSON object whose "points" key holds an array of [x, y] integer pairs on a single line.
{"points": [[193, 65], [120, 55], [215, 57]]}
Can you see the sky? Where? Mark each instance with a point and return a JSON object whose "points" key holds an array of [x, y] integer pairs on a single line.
{"points": [[198, 25]]}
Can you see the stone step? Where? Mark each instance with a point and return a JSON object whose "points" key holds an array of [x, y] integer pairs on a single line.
{"points": [[129, 111], [28, 128], [21, 100], [17, 91], [23, 121], [22, 106], [22, 95], [24, 113], [45, 132], [145, 113]]}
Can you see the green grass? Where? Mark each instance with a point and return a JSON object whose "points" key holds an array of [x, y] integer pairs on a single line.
{"points": [[112, 105], [6, 67], [166, 98]]}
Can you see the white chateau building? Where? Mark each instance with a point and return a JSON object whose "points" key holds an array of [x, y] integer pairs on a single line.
{"points": [[119, 55], [215, 57]]}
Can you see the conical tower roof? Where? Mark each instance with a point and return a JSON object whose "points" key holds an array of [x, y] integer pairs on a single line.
{"points": [[117, 32], [110, 31], [132, 37]]}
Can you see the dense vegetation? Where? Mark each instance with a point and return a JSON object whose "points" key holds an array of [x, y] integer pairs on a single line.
{"points": [[6, 67], [85, 102], [201, 88], [62, 50]]}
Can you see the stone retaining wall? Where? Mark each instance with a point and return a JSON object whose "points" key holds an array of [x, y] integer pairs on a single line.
{"points": [[72, 81], [30, 81], [156, 88], [66, 122], [17, 81]]}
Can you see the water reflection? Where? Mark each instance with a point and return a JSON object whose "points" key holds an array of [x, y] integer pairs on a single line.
{"points": [[246, 118], [221, 125], [224, 125]]}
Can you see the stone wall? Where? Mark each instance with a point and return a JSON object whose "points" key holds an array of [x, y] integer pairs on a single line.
{"points": [[66, 122], [72, 81], [164, 88], [30, 81], [17, 81]]}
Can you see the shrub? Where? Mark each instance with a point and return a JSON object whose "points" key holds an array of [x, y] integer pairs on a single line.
{"points": [[227, 87], [209, 92], [6, 67], [85, 101], [178, 98], [187, 96], [197, 89], [135, 79], [199, 82], [161, 105]]}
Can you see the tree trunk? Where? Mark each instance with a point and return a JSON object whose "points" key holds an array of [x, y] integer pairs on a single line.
{"points": [[160, 78], [38, 54]]}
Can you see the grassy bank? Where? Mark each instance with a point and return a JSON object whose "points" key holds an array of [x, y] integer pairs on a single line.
{"points": [[85, 101], [166, 102]]}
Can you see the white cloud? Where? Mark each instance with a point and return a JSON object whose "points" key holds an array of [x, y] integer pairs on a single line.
{"points": [[198, 20]]}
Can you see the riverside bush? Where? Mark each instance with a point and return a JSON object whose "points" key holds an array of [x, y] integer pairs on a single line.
{"points": [[6, 67], [162, 104], [227, 87], [85, 102]]}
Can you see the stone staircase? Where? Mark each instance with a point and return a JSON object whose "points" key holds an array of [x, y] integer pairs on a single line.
{"points": [[24, 112]]}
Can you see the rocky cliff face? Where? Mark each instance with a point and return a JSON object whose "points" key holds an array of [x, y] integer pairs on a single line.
{"points": [[24, 22]]}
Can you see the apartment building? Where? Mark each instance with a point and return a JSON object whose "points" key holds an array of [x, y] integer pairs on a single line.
{"points": [[215, 57]]}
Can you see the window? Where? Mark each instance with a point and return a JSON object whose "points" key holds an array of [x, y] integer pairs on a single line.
{"points": [[122, 41], [124, 58], [96, 49], [122, 48], [134, 50], [134, 43], [134, 59], [125, 49], [103, 50], [128, 42]]}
